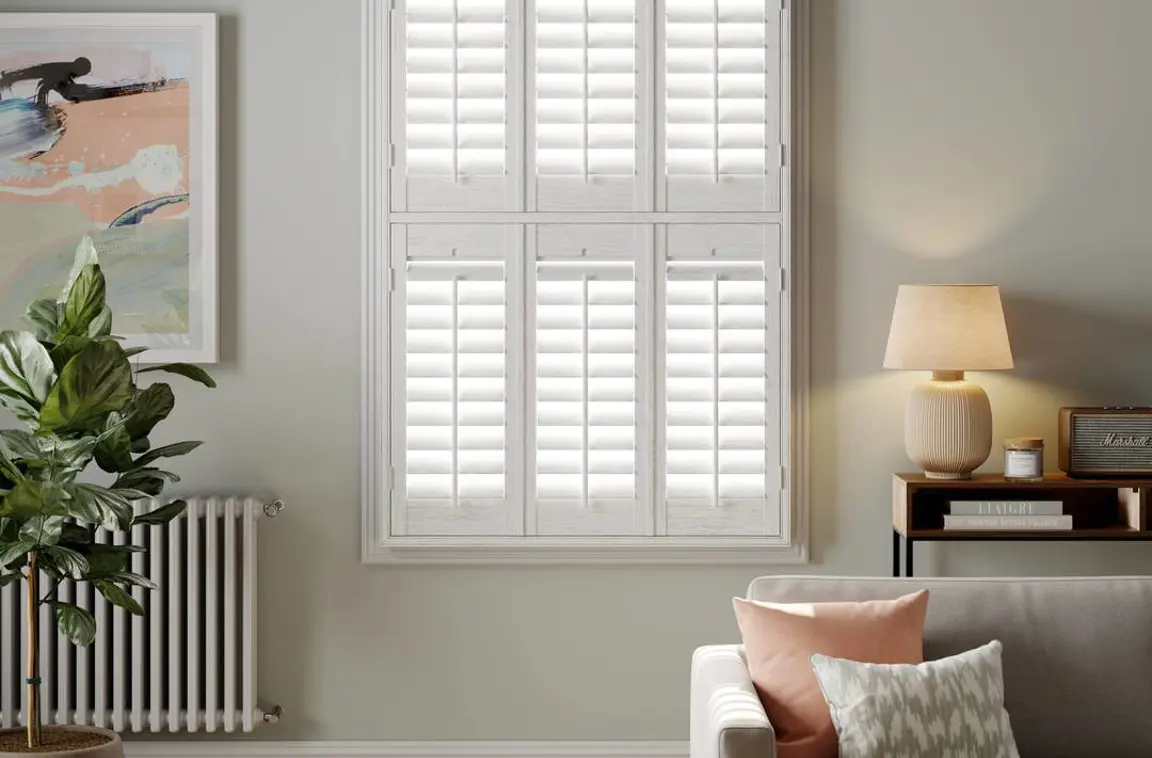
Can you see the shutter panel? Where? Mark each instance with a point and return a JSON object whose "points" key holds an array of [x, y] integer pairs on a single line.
{"points": [[722, 105], [451, 416], [589, 104], [586, 388], [722, 378], [454, 133]]}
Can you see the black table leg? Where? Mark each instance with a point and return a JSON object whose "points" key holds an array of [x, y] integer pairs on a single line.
{"points": [[895, 552], [908, 542]]}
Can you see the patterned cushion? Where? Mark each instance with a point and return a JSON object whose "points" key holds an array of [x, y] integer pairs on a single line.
{"points": [[950, 707]]}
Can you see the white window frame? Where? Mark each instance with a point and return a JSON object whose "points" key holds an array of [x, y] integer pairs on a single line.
{"points": [[378, 546]]}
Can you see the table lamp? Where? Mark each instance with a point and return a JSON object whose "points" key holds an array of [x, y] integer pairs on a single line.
{"points": [[948, 329]]}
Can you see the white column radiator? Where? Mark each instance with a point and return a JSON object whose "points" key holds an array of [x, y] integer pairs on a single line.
{"points": [[189, 665]]}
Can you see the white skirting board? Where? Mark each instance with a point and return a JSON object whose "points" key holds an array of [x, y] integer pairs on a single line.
{"points": [[419, 749]]}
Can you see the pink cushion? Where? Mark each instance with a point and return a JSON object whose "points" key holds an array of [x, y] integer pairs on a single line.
{"points": [[780, 638]]}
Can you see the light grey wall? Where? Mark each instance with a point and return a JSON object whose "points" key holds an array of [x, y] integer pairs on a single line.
{"points": [[1003, 141]]}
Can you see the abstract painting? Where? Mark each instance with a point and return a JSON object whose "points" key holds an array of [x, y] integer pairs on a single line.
{"points": [[107, 130]]}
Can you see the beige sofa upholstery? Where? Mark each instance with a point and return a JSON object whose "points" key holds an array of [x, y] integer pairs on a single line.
{"points": [[1077, 660]]}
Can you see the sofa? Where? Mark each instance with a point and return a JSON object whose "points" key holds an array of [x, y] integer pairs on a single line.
{"points": [[1077, 660]]}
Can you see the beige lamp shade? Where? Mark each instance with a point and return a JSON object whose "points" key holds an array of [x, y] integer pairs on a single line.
{"points": [[948, 327]]}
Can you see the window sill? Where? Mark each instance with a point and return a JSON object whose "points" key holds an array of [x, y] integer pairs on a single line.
{"points": [[586, 550]]}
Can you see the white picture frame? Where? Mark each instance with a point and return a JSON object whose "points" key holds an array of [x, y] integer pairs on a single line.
{"points": [[146, 199]]}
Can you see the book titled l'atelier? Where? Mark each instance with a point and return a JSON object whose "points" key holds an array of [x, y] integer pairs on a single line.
{"points": [[1005, 507]]}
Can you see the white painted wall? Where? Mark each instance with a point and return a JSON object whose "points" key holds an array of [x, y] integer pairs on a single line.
{"points": [[1005, 141]]}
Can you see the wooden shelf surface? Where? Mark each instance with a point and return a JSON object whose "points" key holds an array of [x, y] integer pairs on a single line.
{"points": [[1070, 535], [997, 481]]}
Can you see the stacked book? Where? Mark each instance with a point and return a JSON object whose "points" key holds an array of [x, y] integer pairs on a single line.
{"points": [[1007, 515]]}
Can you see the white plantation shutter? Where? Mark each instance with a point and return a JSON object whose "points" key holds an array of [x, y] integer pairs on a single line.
{"points": [[589, 86], [721, 380], [722, 106], [587, 392], [581, 347], [452, 351], [452, 127]]}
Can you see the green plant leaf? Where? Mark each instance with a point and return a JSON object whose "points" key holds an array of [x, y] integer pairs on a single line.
{"points": [[67, 456], [188, 370], [127, 577], [76, 623], [70, 562], [112, 508], [147, 408], [20, 444], [26, 374], [67, 349], [42, 530], [118, 596], [145, 483], [6, 579], [141, 445], [134, 350], [44, 317], [130, 494], [23, 501], [168, 451], [147, 479], [8, 468], [86, 510], [161, 515], [85, 302], [13, 551], [96, 381], [85, 256], [101, 325], [76, 535], [31, 498], [63, 456], [105, 559], [114, 451]]}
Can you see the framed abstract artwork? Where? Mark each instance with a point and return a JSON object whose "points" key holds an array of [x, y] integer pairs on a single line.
{"points": [[108, 130]]}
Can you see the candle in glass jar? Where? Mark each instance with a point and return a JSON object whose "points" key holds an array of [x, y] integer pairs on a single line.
{"points": [[1024, 459]]}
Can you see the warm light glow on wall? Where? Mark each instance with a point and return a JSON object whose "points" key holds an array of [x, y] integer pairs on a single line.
{"points": [[950, 182]]}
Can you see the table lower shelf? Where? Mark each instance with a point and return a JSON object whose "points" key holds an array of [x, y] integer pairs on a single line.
{"points": [[1120, 532]]}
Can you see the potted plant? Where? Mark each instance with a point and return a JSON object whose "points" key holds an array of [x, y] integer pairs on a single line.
{"points": [[72, 385]]}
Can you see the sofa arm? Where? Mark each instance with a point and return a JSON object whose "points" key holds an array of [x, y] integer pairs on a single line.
{"points": [[727, 718]]}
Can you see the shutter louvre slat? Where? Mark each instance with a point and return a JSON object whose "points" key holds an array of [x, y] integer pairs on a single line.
{"points": [[455, 113], [455, 344], [721, 106], [716, 398], [585, 385], [585, 104]]}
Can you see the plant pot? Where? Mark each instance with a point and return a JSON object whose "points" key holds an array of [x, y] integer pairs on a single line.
{"points": [[113, 748]]}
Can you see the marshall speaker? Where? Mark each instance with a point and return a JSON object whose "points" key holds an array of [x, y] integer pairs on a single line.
{"points": [[1106, 442]]}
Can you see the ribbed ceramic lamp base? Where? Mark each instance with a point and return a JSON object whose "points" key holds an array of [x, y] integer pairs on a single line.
{"points": [[948, 427]]}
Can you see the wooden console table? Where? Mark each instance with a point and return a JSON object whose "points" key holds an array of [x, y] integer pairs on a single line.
{"points": [[1102, 510]]}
